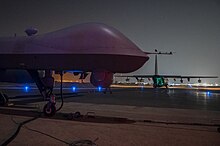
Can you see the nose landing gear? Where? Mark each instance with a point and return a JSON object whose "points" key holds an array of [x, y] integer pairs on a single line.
{"points": [[49, 109]]}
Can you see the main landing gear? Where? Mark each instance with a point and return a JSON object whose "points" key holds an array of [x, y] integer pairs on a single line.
{"points": [[50, 108], [108, 89]]}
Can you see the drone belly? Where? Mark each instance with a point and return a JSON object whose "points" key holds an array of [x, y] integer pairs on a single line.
{"points": [[85, 62]]}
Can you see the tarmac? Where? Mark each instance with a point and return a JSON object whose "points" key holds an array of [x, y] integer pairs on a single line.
{"points": [[128, 117]]}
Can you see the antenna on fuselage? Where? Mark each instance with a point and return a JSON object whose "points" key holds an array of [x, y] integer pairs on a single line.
{"points": [[31, 31]]}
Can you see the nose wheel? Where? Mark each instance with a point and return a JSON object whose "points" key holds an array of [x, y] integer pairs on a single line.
{"points": [[49, 109]]}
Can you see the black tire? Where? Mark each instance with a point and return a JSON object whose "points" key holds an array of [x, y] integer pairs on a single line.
{"points": [[49, 109]]}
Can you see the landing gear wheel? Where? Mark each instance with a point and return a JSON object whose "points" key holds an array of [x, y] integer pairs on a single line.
{"points": [[49, 109]]}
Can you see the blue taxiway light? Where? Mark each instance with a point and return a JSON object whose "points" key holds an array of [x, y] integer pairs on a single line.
{"points": [[74, 89], [208, 93], [99, 88], [26, 88]]}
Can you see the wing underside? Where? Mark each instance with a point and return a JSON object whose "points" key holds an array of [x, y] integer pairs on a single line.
{"points": [[165, 76]]}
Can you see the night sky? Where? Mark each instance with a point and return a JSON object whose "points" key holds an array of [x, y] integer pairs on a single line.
{"points": [[191, 28]]}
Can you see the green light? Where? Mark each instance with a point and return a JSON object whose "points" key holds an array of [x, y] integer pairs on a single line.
{"points": [[159, 81]]}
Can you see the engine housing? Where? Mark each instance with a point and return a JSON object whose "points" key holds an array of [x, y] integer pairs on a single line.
{"points": [[101, 78]]}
